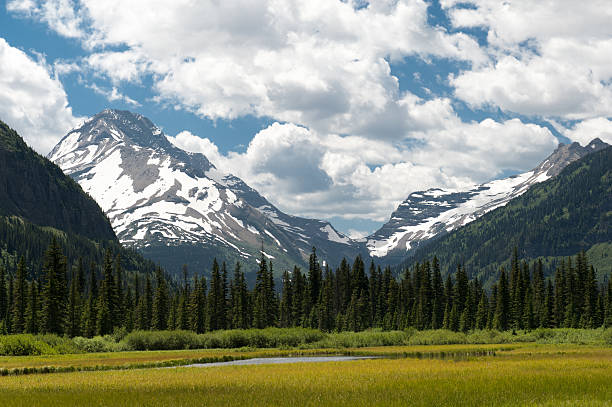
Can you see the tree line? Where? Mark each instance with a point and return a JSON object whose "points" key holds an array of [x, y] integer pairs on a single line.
{"points": [[98, 299]]}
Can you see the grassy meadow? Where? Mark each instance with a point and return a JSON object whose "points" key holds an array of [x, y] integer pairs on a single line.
{"points": [[441, 368], [524, 374]]}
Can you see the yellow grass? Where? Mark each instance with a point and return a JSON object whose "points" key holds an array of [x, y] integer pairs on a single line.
{"points": [[530, 375]]}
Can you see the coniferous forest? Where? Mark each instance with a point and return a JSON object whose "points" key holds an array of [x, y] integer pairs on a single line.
{"points": [[95, 299]]}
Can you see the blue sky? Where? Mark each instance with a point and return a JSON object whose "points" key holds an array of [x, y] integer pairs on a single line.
{"points": [[373, 100]]}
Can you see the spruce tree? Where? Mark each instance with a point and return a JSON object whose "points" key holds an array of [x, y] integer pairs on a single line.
{"points": [[438, 300], [31, 316], [183, 305], [326, 305], [54, 292], [286, 304], [239, 300], [90, 309], [73, 323], [105, 320], [607, 319], [161, 302], [197, 305], [260, 306], [20, 299], [482, 314], [213, 311], [502, 308], [3, 295], [448, 303]]}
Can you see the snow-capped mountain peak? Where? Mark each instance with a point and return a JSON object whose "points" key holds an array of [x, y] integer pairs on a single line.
{"points": [[165, 201], [425, 215]]}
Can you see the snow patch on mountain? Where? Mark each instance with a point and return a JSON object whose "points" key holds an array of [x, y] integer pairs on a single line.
{"points": [[425, 215], [157, 195]]}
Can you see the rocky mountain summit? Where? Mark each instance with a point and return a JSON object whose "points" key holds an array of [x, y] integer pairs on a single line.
{"points": [[177, 207]]}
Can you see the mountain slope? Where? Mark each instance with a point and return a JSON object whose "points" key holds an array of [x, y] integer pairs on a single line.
{"points": [[427, 215], [559, 217], [36, 190], [38, 203], [176, 207]]}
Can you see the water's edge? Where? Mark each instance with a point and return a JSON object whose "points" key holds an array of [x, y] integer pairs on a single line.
{"points": [[274, 361]]}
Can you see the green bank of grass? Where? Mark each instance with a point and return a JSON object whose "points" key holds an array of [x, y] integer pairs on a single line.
{"points": [[15, 365], [537, 376], [289, 338]]}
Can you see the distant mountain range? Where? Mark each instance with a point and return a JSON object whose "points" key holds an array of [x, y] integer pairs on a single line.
{"points": [[559, 217], [176, 207], [427, 215]]}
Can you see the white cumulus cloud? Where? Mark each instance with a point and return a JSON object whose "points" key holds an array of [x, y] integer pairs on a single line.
{"points": [[32, 101]]}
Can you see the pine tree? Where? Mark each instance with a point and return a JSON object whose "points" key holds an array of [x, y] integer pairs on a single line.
{"points": [[105, 320], [482, 314], [213, 313], [183, 305], [239, 300], [326, 312], [119, 300], [260, 306], [54, 292], [31, 315], [161, 302], [20, 300], [286, 304], [299, 294], [90, 312], [9, 304], [129, 322], [560, 302], [502, 308], [438, 301], [547, 316], [608, 306], [3, 295], [73, 323], [145, 307]]}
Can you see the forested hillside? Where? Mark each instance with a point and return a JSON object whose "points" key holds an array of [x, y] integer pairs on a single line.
{"points": [[39, 203], [37, 190], [559, 217], [78, 301]]}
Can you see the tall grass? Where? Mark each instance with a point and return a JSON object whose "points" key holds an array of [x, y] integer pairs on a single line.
{"points": [[540, 379]]}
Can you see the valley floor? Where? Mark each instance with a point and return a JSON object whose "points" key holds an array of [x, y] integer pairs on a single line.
{"points": [[447, 375]]}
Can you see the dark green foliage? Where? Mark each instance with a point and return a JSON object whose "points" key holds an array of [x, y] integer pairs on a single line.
{"points": [[161, 302], [54, 291], [239, 300], [3, 296], [417, 299], [32, 311], [502, 307], [19, 299], [37, 190]]}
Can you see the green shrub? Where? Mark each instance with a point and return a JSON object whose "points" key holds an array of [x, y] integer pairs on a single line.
{"points": [[364, 339], [161, 340], [607, 336], [254, 338], [98, 344], [24, 345], [437, 337]]}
